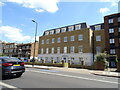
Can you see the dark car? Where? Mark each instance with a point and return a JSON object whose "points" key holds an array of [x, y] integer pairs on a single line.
{"points": [[11, 66]]}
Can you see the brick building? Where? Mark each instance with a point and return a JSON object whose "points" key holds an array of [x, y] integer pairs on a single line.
{"points": [[112, 34], [27, 50], [73, 42], [10, 49]]}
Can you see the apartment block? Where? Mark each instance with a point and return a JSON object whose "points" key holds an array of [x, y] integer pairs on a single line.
{"points": [[112, 34], [27, 50], [24, 50], [10, 49], [73, 42], [1, 47], [98, 38]]}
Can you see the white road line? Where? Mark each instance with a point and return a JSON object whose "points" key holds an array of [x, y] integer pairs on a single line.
{"points": [[9, 86], [74, 76]]}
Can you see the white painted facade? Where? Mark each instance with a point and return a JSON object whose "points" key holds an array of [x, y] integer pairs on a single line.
{"points": [[76, 58]]}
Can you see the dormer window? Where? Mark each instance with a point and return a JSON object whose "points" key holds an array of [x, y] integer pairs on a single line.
{"points": [[57, 31], [71, 28], [47, 33], [63, 29], [51, 32], [77, 27], [110, 20], [98, 27]]}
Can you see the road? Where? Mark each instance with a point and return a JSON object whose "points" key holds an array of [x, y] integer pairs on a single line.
{"points": [[39, 78]]}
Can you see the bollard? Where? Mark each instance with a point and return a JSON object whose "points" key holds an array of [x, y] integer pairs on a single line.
{"points": [[43, 61], [82, 63], [64, 64], [52, 61], [28, 60]]}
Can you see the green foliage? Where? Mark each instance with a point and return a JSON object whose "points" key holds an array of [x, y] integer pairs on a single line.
{"points": [[2, 54], [75, 66], [101, 57]]}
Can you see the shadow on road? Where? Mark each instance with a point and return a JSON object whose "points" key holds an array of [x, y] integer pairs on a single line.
{"points": [[9, 77]]}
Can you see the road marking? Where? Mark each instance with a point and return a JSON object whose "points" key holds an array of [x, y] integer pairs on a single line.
{"points": [[9, 86], [49, 70], [74, 76]]}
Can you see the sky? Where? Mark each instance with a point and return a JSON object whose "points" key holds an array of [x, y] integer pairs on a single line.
{"points": [[16, 16]]}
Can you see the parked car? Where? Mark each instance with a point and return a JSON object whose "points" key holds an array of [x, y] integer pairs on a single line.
{"points": [[11, 66], [23, 59]]}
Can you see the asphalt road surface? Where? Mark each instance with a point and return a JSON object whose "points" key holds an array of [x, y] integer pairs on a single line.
{"points": [[39, 78]]}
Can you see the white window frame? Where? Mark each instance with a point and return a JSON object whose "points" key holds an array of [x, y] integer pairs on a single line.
{"points": [[77, 27], [111, 30], [65, 39], [57, 31], [80, 49], [52, 50], [47, 33], [53, 40], [58, 40], [51, 32], [72, 49], [98, 38], [63, 29], [110, 20], [112, 51], [72, 38], [98, 49], [119, 29], [70, 28], [80, 37], [65, 49], [42, 41], [42, 50], [98, 27], [58, 49], [112, 41], [47, 50], [47, 41]]}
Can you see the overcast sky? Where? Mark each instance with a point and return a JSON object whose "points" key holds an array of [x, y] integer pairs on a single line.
{"points": [[16, 16]]}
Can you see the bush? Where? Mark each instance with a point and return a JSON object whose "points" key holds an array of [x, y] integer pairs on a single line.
{"points": [[101, 57], [75, 66], [101, 62]]}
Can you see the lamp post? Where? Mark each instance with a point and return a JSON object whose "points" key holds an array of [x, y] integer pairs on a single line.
{"points": [[93, 46], [35, 41]]}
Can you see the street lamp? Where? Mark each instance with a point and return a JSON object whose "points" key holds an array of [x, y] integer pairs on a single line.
{"points": [[35, 41]]}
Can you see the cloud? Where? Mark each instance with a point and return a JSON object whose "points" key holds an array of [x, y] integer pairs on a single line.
{"points": [[1, 4], [47, 5], [13, 33], [104, 10], [37, 38], [39, 10]]}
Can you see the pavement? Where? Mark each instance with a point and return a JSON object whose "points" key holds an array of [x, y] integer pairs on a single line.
{"points": [[107, 72]]}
